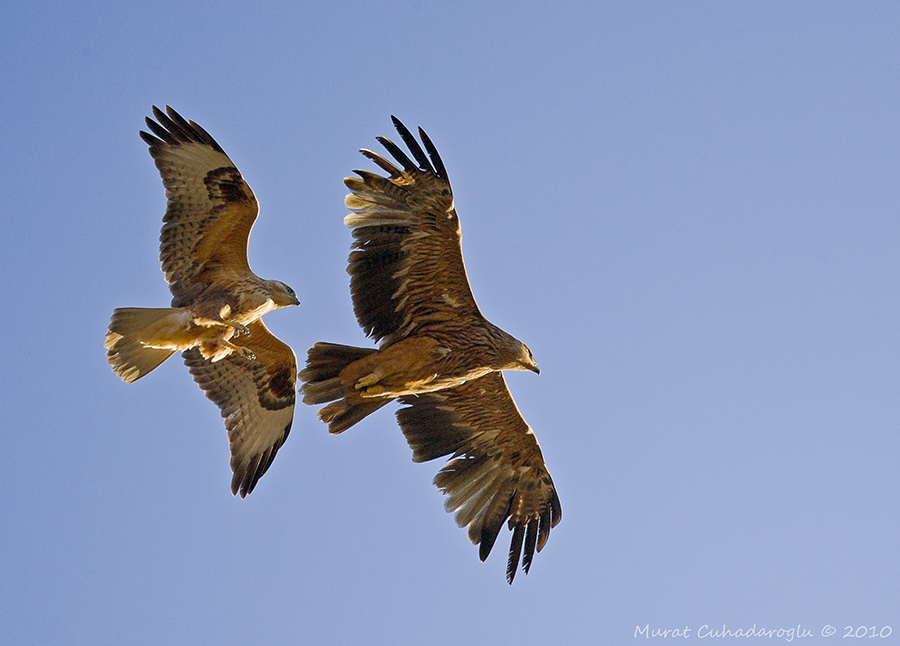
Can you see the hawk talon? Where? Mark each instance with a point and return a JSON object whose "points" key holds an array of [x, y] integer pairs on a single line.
{"points": [[247, 353], [240, 329]]}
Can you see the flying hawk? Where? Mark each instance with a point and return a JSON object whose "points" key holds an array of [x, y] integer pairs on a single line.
{"points": [[437, 354], [217, 302]]}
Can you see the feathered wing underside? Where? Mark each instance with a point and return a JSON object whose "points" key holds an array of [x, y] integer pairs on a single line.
{"points": [[497, 471], [210, 209], [406, 266], [256, 398]]}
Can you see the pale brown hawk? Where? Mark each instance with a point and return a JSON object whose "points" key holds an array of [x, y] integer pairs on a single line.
{"points": [[215, 318]]}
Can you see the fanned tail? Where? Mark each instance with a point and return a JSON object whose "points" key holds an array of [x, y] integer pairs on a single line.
{"points": [[322, 384], [130, 328]]}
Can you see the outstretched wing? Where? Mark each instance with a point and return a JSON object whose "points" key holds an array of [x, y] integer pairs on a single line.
{"points": [[497, 471], [406, 269], [210, 210], [256, 398]]}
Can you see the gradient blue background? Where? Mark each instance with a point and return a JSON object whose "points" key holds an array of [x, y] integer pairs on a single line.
{"points": [[689, 212]]}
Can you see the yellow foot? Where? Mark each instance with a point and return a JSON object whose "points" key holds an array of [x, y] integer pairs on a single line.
{"points": [[372, 391], [238, 328], [365, 382], [245, 352]]}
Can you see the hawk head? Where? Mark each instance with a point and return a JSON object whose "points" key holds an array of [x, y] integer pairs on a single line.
{"points": [[510, 353], [282, 295], [526, 360]]}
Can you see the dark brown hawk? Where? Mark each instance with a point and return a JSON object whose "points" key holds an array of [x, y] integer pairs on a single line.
{"points": [[217, 301], [437, 354]]}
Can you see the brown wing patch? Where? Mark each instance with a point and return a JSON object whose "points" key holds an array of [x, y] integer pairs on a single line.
{"points": [[497, 470], [256, 398], [227, 185], [210, 208], [282, 385], [406, 267]]}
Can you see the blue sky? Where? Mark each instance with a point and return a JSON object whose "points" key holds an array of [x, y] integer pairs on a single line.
{"points": [[688, 211]]}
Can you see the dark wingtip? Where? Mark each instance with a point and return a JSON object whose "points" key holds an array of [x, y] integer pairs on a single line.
{"points": [[397, 153], [246, 486], [173, 129], [556, 510], [515, 551], [240, 484], [413, 145], [435, 157], [488, 539], [530, 543]]}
